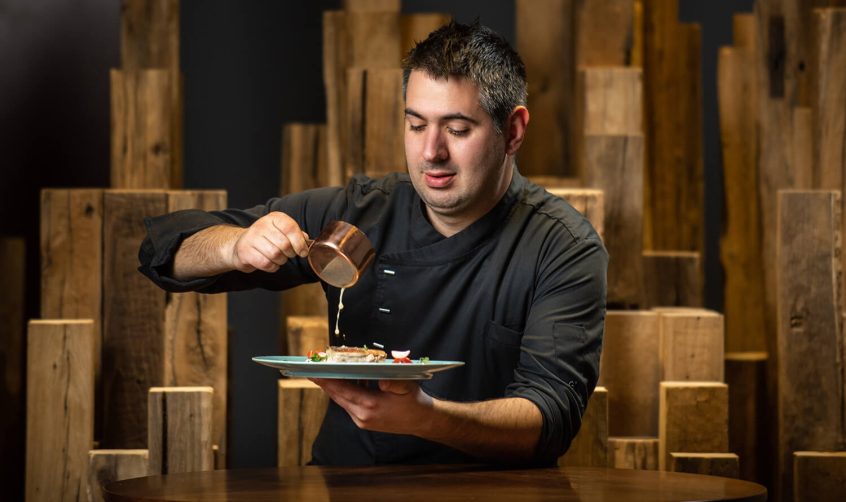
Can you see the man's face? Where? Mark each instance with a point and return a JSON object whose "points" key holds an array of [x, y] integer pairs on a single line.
{"points": [[456, 159]]}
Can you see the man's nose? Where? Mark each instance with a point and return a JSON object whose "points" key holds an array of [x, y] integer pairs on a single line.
{"points": [[435, 150]]}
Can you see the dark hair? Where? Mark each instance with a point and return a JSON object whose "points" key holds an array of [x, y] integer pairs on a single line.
{"points": [[479, 54]]}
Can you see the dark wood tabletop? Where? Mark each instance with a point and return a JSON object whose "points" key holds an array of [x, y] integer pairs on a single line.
{"points": [[432, 483]]}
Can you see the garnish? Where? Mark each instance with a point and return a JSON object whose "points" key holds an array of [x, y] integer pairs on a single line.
{"points": [[424, 360], [399, 354], [402, 360], [316, 356]]}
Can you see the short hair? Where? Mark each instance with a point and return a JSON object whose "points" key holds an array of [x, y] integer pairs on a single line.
{"points": [[479, 54]]}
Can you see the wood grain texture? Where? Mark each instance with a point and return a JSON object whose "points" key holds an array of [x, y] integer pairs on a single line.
{"points": [[614, 164], [416, 27], [588, 201], [196, 339], [371, 5], [59, 408], [746, 374], [105, 466], [133, 319], [149, 35], [692, 346], [302, 405], [335, 62], [630, 369], [142, 128], [740, 242], [726, 465], [605, 32], [828, 97], [673, 278], [179, 429], [307, 333], [590, 446], [12, 357], [303, 157], [810, 341], [610, 100], [692, 416], [546, 42], [633, 453], [819, 476], [802, 143]]}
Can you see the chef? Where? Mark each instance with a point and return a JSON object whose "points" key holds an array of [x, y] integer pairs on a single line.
{"points": [[473, 263]]}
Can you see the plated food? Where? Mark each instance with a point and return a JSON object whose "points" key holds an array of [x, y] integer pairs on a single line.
{"points": [[344, 354]]}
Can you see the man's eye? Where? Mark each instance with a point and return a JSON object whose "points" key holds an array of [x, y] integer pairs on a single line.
{"points": [[458, 132], [416, 128]]}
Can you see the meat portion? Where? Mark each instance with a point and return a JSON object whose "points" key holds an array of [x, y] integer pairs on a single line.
{"points": [[344, 354]]}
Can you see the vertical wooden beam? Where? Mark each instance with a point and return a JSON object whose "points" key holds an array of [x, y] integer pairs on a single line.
{"points": [[692, 346], [546, 42], [303, 157], [302, 405], [726, 465], [105, 466], [605, 32], [590, 446], [673, 278], [149, 35], [307, 333], [810, 339], [371, 5], [633, 453], [829, 98], [133, 319], [588, 201], [610, 101], [12, 399], [196, 342], [416, 27], [693, 416], [335, 62], [746, 374], [819, 475], [59, 408], [179, 429], [630, 369]]}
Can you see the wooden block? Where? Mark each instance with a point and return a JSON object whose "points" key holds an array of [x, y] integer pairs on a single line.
{"points": [[604, 32], [692, 347], [196, 340], [133, 319], [59, 408], [819, 476], [673, 278], [149, 35], [372, 5], [590, 446], [610, 101], [302, 405], [633, 453], [630, 369], [746, 374], [105, 466], [179, 425], [726, 465], [416, 27], [810, 397], [740, 243], [72, 261], [335, 61], [546, 42], [303, 158], [142, 128], [588, 201], [614, 164], [12, 397], [376, 116], [829, 97], [692, 416], [307, 333]]}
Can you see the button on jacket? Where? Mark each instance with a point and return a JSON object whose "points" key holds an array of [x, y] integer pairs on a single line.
{"points": [[519, 295]]}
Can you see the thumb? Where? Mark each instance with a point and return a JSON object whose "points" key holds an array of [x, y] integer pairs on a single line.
{"points": [[397, 386]]}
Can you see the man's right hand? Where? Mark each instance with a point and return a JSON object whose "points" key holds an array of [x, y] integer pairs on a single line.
{"points": [[268, 243]]}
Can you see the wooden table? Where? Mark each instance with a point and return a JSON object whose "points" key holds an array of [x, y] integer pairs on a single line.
{"points": [[432, 483]]}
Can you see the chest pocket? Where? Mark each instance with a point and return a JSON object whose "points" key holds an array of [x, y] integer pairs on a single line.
{"points": [[502, 352]]}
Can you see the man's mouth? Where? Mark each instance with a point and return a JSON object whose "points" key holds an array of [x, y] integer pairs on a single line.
{"points": [[438, 179]]}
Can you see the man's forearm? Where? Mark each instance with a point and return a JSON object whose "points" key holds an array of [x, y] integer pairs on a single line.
{"points": [[204, 253]]}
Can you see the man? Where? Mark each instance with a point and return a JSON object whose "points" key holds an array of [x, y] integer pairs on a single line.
{"points": [[473, 262]]}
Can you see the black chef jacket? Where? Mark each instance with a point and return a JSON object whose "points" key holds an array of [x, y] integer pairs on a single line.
{"points": [[519, 295]]}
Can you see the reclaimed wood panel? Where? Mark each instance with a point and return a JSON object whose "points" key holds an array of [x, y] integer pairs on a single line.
{"points": [[726, 465], [802, 143], [746, 374], [302, 405], [196, 338], [604, 32], [819, 476], [590, 446], [307, 333], [105, 466], [829, 98], [59, 408], [133, 319], [610, 100], [614, 164], [416, 27], [673, 278], [588, 201], [692, 346], [303, 157], [546, 42], [633, 453], [149, 34], [335, 62], [12, 398], [630, 369], [179, 429], [371, 5], [810, 397], [693, 416]]}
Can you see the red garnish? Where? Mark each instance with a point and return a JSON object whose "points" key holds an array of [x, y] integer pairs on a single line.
{"points": [[402, 360]]}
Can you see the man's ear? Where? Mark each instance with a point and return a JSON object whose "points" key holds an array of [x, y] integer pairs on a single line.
{"points": [[516, 129]]}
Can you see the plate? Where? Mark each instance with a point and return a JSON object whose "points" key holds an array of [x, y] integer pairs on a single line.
{"points": [[300, 366]]}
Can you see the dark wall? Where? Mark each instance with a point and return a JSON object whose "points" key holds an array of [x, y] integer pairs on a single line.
{"points": [[249, 67]]}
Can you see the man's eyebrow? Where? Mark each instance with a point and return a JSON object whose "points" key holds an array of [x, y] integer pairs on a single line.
{"points": [[451, 116]]}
